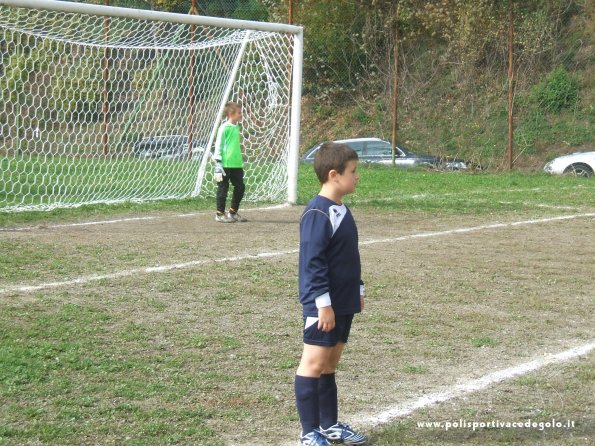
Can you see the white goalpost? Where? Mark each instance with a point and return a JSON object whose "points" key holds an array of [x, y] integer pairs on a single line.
{"points": [[103, 104]]}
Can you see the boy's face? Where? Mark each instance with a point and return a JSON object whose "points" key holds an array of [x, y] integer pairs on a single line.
{"points": [[347, 181], [235, 115]]}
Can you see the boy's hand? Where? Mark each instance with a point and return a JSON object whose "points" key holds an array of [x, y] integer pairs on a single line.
{"points": [[219, 173], [326, 319], [362, 301]]}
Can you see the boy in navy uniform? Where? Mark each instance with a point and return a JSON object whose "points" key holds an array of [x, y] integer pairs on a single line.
{"points": [[331, 292]]}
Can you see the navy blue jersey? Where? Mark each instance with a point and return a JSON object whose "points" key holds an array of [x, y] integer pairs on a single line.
{"points": [[329, 262]]}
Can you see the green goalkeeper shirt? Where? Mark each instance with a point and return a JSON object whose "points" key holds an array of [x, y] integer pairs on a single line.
{"points": [[227, 145]]}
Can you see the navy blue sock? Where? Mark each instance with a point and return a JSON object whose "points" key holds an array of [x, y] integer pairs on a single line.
{"points": [[306, 400], [327, 400]]}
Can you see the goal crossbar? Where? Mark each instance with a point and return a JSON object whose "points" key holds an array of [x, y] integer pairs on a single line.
{"points": [[143, 14]]}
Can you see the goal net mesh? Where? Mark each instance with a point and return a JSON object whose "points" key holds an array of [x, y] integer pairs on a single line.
{"points": [[100, 109]]}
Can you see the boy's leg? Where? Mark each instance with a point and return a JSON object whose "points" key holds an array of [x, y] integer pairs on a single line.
{"points": [[328, 404], [331, 428], [306, 401], [236, 176], [222, 188], [314, 361]]}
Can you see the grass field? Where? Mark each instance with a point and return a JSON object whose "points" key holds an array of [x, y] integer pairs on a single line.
{"points": [[159, 326], [36, 182]]}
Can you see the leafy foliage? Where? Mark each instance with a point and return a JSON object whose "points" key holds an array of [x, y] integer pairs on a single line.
{"points": [[331, 53], [71, 94], [557, 90]]}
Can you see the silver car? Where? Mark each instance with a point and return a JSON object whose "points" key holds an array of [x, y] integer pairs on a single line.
{"points": [[379, 151]]}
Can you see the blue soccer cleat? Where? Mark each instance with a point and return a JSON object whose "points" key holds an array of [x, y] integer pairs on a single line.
{"points": [[343, 433], [313, 438]]}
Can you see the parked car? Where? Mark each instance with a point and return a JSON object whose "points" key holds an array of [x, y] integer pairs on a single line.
{"points": [[376, 150], [169, 147], [581, 164]]}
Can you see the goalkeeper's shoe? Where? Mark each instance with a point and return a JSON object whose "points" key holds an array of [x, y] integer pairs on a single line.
{"points": [[236, 217], [224, 218], [343, 433], [313, 438]]}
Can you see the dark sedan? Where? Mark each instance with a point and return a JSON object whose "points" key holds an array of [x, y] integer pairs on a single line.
{"points": [[170, 147], [376, 150]]}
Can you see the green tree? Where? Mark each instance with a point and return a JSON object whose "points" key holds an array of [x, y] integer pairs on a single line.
{"points": [[332, 49]]}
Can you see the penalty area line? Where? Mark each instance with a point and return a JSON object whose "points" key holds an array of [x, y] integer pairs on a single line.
{"points": [[472, 386], [136, 271], [466, 194], [477, 228], [133, 219], [194, 263]]}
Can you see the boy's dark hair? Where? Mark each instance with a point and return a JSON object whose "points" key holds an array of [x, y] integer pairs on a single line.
{"points": [[332, 156], [230, 107]]}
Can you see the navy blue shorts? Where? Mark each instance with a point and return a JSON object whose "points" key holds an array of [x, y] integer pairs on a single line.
{"points": [[314, 336]]}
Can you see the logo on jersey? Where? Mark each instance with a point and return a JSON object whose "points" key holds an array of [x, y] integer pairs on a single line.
{"points": [[336, 214]]}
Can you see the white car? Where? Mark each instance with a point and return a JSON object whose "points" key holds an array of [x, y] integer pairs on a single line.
{"points": [[581, 164]]}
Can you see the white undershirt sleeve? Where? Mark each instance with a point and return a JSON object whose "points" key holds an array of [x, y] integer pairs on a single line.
{"points": [[323, 301]]}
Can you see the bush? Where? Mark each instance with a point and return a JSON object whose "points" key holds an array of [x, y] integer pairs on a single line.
{"points": [[557, 91]]}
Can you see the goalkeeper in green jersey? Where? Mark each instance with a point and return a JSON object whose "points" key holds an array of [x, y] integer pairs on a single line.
{"points": [[229, 164]]}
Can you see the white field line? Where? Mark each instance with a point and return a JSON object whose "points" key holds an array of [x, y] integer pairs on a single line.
{"points": [[435, 397], [471, 386], [145, 270], [545, 206], [193, 263], [466, 193], [504, 191], [266, 208], [476, 228], [133, 219]]}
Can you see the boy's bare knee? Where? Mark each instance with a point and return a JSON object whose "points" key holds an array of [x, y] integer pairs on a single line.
{"points": [[315, 360], [311, 368]]}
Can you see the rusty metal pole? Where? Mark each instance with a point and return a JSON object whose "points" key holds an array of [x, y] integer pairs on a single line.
{"points": [[395, 92], [193, 11], [289, 64], [104, 132], [510, 82]]}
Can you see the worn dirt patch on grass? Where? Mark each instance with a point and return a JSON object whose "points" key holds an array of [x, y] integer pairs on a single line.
{"points": [[552, 406], [207, 355]]}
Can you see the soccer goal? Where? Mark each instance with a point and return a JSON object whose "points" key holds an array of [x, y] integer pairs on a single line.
{"points": [[103, 104]]}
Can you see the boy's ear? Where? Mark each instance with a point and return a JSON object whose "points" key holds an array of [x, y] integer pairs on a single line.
{"points": [[332, 174]]}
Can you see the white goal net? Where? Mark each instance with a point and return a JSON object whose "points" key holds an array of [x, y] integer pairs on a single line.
{"points": [[104, 105]]}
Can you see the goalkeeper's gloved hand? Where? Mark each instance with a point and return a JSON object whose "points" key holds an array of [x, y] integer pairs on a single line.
{"points": [[219, 173]]}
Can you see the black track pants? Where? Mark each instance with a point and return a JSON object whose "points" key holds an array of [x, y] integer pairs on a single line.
{"points": [[236, 176]]}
